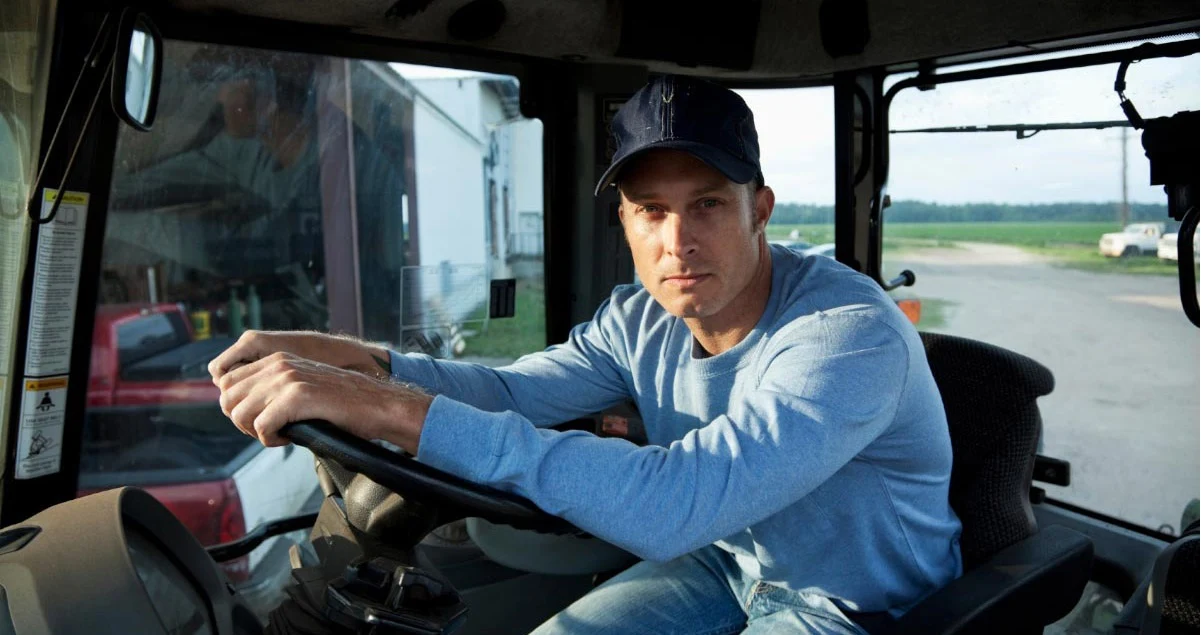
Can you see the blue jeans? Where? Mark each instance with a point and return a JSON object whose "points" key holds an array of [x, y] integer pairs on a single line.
{"points": [[702, 593]]}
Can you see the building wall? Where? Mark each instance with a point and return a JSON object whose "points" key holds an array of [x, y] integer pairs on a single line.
{"points": [[450, 193], [527, 210], [457, 97]]}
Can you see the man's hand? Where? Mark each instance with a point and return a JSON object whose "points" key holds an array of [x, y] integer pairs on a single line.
{"points": [[264, 395], [343, 352]]}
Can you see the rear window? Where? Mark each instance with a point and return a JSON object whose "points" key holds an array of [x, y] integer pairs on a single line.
{"points": [[150, 335]]}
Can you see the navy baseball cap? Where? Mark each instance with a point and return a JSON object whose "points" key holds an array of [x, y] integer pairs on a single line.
{"points": [[703, 119]]}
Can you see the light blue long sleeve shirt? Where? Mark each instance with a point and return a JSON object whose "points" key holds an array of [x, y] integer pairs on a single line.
{"points": [[815, 451]]}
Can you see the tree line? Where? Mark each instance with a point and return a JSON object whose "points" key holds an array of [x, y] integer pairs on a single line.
{"points": [[926, 212]]}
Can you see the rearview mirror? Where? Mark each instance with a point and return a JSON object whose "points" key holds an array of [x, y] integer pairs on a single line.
{"points": [[137, 70]]}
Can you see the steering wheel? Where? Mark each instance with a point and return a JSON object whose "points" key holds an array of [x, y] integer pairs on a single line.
{"points": [[452, 497]]}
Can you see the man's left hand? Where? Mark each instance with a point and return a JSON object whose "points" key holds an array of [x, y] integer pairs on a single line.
{"points": [[263, 396]]}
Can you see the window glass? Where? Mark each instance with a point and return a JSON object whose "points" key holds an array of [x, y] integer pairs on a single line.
{"points": [[1028, 241], [796, 142], [803, 181], [285, 191], [22, 23], [150, 335]]}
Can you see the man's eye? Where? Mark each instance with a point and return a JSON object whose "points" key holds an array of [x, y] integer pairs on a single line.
{"points": [[710, 203], [650, 209]]}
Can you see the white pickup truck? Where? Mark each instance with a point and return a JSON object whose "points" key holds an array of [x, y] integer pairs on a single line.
{"points": [[1168, 251], [1137, 239]]}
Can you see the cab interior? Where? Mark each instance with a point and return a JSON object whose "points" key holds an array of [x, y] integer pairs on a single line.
{"points": [[1038, 558]]}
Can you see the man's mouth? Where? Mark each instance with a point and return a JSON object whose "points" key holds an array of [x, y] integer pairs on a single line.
{"points": [[687, 281]]}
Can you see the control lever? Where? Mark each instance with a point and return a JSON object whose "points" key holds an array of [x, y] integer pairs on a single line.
{"points": [[381, 596]]}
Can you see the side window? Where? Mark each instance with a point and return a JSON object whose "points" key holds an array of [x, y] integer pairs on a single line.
{"points": [[285, 191], [1020, 239], [796, 142], [803, 181]]}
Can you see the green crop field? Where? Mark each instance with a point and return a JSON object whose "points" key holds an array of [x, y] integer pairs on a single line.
{"points": [[1066, 244], [1025, 234]]}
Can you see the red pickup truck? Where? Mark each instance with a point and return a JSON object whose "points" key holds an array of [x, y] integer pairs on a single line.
{"points": [[153, 421]]}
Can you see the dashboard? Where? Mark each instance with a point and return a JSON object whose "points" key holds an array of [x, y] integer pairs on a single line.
{"points": [[113, 562]]}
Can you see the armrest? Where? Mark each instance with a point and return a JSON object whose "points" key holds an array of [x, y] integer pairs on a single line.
{"points": [[1027, 585]]}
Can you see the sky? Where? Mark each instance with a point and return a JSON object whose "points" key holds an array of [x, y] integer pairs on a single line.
{"points": [[797, 141]]}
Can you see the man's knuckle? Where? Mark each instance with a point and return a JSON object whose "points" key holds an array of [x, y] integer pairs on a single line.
{"points": [[279, 363], [260, 425]]}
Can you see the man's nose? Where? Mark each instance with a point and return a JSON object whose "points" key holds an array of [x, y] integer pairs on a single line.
{"points": [[679, 239]]}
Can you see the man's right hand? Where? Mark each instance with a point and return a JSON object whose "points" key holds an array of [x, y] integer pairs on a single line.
{"points": [[343, 352]]}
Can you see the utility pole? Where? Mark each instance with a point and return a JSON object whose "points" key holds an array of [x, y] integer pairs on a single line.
{"points": [[1124, 212]]}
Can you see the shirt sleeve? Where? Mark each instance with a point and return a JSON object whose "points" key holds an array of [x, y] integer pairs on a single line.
{"points": [[827, 393], [569, 380]]}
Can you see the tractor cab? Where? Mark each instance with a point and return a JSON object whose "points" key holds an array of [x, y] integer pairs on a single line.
{"points": [[420, 174]]}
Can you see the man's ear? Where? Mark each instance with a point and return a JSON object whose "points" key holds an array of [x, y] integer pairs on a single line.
{"points": [[765, 204]]}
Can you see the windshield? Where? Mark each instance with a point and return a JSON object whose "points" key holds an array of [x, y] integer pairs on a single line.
{"points": [[1005, 236], [21, 26], [285, 191]]}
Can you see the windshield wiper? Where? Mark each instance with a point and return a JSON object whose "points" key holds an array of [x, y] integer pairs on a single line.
{"points": [[1026, 130]]}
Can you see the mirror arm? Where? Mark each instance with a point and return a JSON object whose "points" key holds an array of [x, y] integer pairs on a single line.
{"points": [[88, 62], [71, 159]]}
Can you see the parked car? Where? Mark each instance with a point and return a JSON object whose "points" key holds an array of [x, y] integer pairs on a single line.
{"points": [[824, 249], [1166, 247], [796, 245], [154, 421], [1135, 240]]}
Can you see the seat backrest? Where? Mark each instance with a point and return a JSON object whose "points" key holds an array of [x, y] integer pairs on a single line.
{"points": [[989, 395]]}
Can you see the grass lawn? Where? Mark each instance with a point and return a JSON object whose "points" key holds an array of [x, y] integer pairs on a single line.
{"points": [[1088, 259], [513, 337]]}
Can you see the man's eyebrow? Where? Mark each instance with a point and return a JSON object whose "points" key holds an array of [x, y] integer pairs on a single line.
{"points": [[708, 188]]}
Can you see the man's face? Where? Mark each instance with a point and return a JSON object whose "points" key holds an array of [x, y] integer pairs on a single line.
{"points": [[696, 236]]}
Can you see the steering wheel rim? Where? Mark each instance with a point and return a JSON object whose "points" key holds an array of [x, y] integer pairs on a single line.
{"points": [[411, 479]]}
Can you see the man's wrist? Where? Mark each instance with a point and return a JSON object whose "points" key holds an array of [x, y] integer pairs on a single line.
{"points": [[406, 418], [369, 359], [382, 358]]}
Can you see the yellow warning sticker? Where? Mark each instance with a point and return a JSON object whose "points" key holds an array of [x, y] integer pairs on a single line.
{"points": [[69, 198], [40, 440], [49, 383]]}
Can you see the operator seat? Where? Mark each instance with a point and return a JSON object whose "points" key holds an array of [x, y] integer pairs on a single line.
{"points": [[1017, 577]]}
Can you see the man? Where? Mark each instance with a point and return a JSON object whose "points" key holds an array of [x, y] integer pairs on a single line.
{"points": [[799, 457]]}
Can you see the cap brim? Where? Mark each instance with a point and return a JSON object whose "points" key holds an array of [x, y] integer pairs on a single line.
{"points": [[732, 167]]}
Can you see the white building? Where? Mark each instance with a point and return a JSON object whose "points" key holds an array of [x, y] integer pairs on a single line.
{"points": [[478, 191], [465, 121]]}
